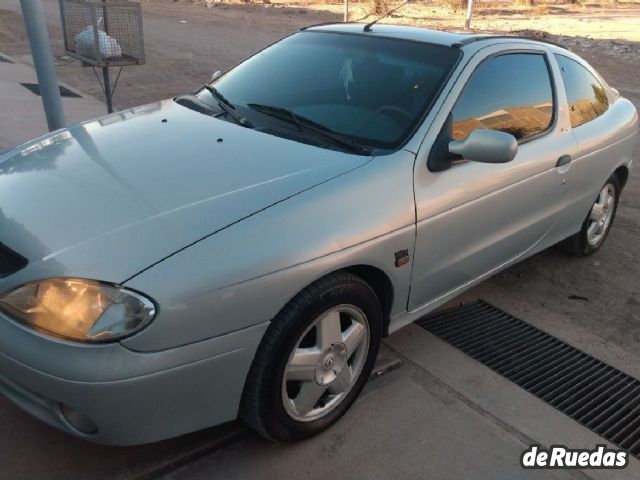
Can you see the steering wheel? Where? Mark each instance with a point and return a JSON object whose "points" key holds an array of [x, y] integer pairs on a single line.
{"points": [[399, 114]]}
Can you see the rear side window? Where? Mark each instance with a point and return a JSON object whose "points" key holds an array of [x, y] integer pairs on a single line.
{"points": [[585, 94], [511, 93]]}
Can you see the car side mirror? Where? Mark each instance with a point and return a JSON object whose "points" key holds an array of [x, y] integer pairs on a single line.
{"points": [[215, 75], [486, 146]]}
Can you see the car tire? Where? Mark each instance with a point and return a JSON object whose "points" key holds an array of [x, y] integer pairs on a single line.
{"points": [[597, 224], [304, 355]]}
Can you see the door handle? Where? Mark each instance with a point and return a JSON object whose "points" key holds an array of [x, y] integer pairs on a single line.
{"points": [[563, 160]]}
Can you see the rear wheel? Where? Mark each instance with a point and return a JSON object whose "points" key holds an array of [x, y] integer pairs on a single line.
{"points": [[314, 359], [597, 225]]}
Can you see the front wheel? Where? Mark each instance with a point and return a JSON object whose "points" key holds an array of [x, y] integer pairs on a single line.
{"points": [[597, 225], [314, 359]]}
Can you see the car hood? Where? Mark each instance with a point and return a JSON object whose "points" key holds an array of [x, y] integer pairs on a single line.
{"points": [[108, 198]]}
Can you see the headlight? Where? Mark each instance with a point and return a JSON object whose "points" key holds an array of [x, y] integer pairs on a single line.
{"points": [[77, 309]]}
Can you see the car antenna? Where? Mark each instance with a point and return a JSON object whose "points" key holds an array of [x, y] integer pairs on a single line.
{"points": [[367, 27]]}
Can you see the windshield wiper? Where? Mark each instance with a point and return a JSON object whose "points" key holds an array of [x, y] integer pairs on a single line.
{"points": [[289, 116], [228, 107], [193, 102]]}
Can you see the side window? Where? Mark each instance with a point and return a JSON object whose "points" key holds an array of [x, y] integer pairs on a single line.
{"points": [[585, 94], [511, 93]]}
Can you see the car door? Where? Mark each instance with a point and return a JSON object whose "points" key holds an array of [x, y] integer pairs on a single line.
{"points": [[474, 218]]}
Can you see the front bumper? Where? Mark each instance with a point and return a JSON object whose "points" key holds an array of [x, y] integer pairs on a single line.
{"points": [[110, 394]]}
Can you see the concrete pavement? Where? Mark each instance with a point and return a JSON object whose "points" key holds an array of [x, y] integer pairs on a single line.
{"points": [[420, 431], [21, 113], [440, 416]]}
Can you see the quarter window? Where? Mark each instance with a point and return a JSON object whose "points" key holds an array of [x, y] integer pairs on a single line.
{"points": [[586, 96], [511, 93]]}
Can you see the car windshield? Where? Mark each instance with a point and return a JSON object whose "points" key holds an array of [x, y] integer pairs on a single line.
{"points": [[368, 90]]}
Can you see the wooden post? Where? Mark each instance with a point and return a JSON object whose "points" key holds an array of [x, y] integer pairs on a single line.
{"points": [[467, 23], [346, 10]]}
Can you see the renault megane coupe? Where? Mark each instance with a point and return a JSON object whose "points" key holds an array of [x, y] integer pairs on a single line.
{"points": [[241, 250]]}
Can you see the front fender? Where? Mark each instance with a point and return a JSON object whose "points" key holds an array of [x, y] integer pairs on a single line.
{"points": [[245, 274]]}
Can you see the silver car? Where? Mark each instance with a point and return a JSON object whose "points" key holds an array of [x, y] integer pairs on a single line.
{"points": [[241, 250]]}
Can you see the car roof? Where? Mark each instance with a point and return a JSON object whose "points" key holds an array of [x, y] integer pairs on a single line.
{"points": [[394, 31], [419, 34]]}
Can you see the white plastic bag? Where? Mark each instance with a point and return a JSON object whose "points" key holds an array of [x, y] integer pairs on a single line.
{"points": [[109, 47]]}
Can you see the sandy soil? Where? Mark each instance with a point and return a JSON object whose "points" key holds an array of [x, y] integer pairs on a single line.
{"points": [[186, 42], [597, 22]]}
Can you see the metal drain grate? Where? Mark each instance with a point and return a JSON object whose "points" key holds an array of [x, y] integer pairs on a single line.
{"points": [[598, 396], [64, 91]]}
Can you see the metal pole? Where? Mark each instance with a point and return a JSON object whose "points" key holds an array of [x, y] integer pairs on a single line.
{"points": [[467, 23], [36, 27], [346, 10], [108, 93], [105, 70], [107, 89]]}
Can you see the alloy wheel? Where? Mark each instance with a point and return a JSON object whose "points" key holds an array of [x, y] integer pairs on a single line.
{"points": [[325, 363], [601, 215]]}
